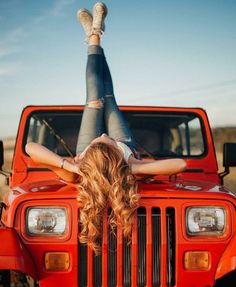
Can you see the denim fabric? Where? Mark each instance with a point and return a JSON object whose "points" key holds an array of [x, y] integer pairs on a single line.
{"points": [[108, 118]]}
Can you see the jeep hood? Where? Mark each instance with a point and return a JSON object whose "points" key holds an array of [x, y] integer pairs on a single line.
{"points": [[56, 189]]}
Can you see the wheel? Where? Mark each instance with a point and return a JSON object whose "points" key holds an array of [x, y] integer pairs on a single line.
{"points": [[5, 278], [228, 280]]}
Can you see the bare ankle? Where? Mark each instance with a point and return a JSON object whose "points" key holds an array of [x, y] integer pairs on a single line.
{"points": [[94, 40]]}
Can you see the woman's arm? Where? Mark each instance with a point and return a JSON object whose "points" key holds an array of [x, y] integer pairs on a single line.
{"points": [[157, 167], [64, 168]]}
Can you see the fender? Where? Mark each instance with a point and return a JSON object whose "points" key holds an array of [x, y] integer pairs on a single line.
{"points": [[13, 254], [227, 261]]}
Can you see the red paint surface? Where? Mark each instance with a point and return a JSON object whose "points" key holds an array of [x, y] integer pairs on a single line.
{"points": [[22, 252]]}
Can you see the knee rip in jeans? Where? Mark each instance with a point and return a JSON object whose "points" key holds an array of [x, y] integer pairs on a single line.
{"points": [[96, 104]]}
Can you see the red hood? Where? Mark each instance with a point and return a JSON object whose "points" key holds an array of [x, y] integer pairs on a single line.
{"points": [[185, 189], [59, 191], [41, 190], [151, 188]]}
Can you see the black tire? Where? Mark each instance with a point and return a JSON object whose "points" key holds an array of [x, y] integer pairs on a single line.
{"points": [[228, 280], [5, 278]]}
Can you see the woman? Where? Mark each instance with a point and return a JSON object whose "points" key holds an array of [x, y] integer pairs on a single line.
{"points": [[106, 165]]}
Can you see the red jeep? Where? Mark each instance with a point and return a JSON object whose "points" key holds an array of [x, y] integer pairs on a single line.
{"points": [[184, 231]]}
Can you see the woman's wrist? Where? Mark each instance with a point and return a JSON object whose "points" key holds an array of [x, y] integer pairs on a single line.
{"points": [[69, 166], [62, 163]]}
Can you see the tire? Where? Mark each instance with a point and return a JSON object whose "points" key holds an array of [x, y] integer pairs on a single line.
{"points": [[228, 280], [5, 278]]}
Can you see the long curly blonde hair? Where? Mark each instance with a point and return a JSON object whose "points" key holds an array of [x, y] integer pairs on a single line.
{"points": [[105, 179]]}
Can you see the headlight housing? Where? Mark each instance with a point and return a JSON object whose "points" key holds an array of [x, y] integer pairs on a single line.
{"points": [[205, 220], [46, 220]]}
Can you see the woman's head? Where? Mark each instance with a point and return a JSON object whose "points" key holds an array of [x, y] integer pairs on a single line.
{"points": [[104, 138], [105, 180]]}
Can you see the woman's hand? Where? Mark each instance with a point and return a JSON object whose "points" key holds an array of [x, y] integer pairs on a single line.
{"points": [[70, 165]]}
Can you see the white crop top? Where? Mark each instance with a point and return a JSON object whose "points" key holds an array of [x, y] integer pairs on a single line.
{"points": [[127, 152]]}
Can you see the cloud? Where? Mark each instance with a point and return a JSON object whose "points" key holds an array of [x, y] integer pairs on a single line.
{"points": [[57, 10], [10, 69], [60, 6], [5, 51], [14, 36], [11, 42]]}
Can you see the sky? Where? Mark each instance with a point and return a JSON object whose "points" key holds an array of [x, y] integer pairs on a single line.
{"points": [[160, 52]]}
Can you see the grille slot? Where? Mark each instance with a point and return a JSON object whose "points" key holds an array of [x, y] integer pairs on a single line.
{"points": [[112, 258], [142, 247], [83, 265], [97, 269], [170, 228], [126, 263], [156, 247]]}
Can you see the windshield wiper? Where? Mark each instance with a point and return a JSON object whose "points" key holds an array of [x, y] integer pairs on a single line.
{"points": [[145, 151], [56, 135]]}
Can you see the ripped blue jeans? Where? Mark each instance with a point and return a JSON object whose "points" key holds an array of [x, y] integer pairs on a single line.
{"points": [[106, 118]]}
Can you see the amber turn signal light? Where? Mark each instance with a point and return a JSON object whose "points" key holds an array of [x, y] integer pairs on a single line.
{"points": [[57, 261], [196, 260]]}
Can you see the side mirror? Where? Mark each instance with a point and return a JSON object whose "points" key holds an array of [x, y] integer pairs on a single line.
{"points": [[229, 158], [229, 155], [1, 155]]}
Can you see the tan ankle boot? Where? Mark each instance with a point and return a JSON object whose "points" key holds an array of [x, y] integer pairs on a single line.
{"points": [[86, 19], [99, 14]]}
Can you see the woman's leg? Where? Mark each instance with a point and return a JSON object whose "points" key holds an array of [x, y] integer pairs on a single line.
{"points": [[116, 125], [92, 124], [99, 84]]}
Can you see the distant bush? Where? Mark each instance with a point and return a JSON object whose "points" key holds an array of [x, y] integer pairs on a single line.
{"points": [[222, 135]]}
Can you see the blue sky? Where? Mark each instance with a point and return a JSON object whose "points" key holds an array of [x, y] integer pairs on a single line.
{"points": [[161, 52]]}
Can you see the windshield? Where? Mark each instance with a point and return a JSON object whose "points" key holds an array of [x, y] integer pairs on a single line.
{"points": [[158, 134]]}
